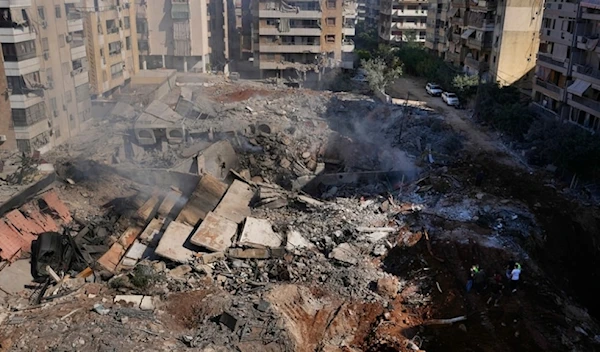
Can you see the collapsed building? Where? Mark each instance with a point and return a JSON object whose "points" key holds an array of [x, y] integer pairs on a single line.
{"points": [[280, 220]]}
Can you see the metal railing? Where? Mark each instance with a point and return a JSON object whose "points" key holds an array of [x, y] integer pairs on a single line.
{"points": [[593, 104], [587, 70], [550, 60]]}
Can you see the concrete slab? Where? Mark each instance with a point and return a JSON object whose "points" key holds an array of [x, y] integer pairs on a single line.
{"points": [[215, 233], [296, 241], [148, 209], [258, 233], [204, 199], [346, 253], [151, 234], [217, 159], [172, 199], [112, 257], [15, 277], [137, 252], [171, 245], [235, 205], [136, 300]]}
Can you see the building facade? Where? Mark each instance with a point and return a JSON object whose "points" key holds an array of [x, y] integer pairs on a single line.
{"points": [[7, 131], [567, 83], [303, 37], [186, 35], [403, 20], [496, 40], [112, 52], [46, 71]]}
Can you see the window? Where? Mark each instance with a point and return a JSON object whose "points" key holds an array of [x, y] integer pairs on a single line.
{"points": [[41, 13], [61, 40], [82, 93], [53, 104], [57, 11], [68, 97], [49, 76], [116, 70], [57, 129], [494, 59], [128, 43], [331, 4], [66, 67], [114, 48], [271, 22], [330, 38], [45, 46], [127, 22], [330, 21]]}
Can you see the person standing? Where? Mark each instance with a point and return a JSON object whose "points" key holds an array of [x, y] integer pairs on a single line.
{"points": [[515, 275]]}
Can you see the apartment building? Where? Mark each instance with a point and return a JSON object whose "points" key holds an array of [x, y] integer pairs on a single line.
{"points": [[7, 132], [567, 83], [403, 20], [436, 34], [369, 11], [44, 62], [496, 40], [186, 35], [112, 51], [303, 37]]}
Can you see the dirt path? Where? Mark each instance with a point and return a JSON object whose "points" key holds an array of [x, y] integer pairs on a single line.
{"points": [[477, 140]]}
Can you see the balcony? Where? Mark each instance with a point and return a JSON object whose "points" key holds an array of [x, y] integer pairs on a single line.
{"points": [[409, 25], [275, 65], [546, 60], [14, 3], [549, 89], [478, 44], [589, 13], [21, 68], [556, 36], [31, 131], [587, 73], [78, 52], [566, 9], [24, 101], [292, 31], [458, 21], [302, 14], [11, 33], [460, 3], [347, 46], [409, 13], [74, 25], [291, 48], [476, 65], [588, 105], [349, 31], [484, 5], [80, 76], [542, 111], [588, 42], [453, 57]]}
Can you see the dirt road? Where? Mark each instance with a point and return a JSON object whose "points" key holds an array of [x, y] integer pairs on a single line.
{"points": [[476, 139]]}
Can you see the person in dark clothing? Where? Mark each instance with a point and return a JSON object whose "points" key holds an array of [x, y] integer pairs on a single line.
{"points": [[479, 178]]}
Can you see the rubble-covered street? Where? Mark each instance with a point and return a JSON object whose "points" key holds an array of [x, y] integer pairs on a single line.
{"points": [[240, 216]]}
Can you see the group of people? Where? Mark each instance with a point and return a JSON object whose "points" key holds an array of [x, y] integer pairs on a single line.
{"points": [[479, 282]]}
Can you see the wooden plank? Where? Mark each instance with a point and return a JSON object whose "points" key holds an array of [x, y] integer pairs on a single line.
{"points": [[204, 199]]}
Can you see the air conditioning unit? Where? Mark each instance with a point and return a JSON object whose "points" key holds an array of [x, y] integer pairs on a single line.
{"points": [[46, 55], [2, 138], [55, 113], [69, 38]]}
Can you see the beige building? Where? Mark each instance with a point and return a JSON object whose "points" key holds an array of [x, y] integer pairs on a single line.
{"points": [[496, 40], [567, 83], [7, 132], [186, 35], [111, 44], [299, 38], [403, 20], [46, 72]]}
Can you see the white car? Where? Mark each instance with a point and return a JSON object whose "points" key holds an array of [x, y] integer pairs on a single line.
{"points": [[450, 98], [433, 89]]}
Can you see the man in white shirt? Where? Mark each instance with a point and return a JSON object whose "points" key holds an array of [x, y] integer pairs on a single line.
{"points": [[514, 277]]}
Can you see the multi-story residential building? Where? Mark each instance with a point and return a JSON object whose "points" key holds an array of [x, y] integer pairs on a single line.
{"points": [[186, 35], [7, 132], [46, 72], [303, 36], [496, 40], [110, 33], [371, 13], [436, 38], [403, 20], [567, 83]]}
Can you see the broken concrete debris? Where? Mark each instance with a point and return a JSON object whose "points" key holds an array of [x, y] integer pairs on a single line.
{"points": [[258, 233], [171, 245], [215, 233], [346, 253]]}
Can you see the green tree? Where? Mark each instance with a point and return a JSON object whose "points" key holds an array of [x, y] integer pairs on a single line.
{"points": [[379, 74], [466, 85]]}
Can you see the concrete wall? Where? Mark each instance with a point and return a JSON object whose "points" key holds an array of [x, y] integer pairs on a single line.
{"points": [[518, 40], [335, 30]]}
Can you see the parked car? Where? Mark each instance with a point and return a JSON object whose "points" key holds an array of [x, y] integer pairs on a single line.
{"points": [[450, 99], [433, 89]]}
